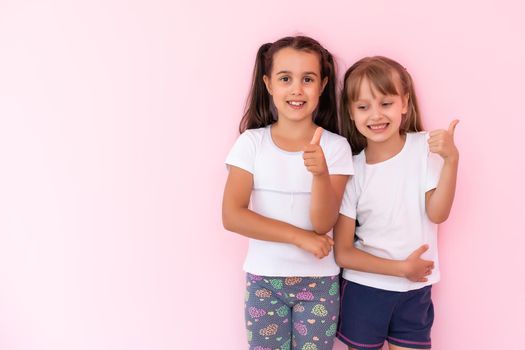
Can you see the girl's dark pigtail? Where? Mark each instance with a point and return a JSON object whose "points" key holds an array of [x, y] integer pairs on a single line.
{"points": [[257, 111], [326, 115]]}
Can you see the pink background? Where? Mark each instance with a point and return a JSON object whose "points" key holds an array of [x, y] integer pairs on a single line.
{"points": [[116, 117]]}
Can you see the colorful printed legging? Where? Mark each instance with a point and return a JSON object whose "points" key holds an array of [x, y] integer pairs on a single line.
{"points": [[285, 313]]}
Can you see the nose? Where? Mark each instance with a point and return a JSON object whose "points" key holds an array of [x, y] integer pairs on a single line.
{"points": [[297, 88], [375, 113]]}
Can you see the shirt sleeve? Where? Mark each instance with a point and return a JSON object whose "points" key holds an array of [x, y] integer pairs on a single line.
{"points": [[339, 158], [434, 166], [349, 203], [242, 154]]}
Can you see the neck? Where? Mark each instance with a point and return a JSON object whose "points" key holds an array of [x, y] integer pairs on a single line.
{"points": [[294, 130], [376, 152]]}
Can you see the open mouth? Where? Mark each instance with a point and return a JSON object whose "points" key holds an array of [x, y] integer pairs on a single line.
{"points": [[378, 127], [296, 104]]}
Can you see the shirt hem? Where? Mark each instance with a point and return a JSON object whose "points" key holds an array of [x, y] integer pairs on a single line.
{"points": [[274, 273], [390, 287]]}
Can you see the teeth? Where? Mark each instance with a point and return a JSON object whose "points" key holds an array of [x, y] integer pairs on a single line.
{"points": [[378, 126], [296, 103]]}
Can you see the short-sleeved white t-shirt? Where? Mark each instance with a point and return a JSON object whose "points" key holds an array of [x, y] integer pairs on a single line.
{"points": [[388, 201], [282, 191]]}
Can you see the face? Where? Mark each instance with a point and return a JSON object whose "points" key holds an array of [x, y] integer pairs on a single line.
{"points": [[295, 83], [377, 116]]}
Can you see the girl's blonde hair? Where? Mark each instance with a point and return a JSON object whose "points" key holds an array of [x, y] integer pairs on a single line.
{"points": [[385, 75]]}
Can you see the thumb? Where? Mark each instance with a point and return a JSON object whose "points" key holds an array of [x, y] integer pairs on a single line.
{"points": [[317, 136], [452, 126], [419, 251]]}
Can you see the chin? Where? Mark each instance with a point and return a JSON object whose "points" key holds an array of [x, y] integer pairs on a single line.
{"points": [[298, 118]]}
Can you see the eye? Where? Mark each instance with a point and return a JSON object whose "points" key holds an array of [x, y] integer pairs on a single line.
{"points": [[362, 107], [308, 80], [284, 78], [387, 104]]}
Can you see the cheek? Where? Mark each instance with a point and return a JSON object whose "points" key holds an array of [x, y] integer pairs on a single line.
{"points": [[361, 128], [399, 113], [319, 90], [360, 121], [313, 97], [358, 116], [315, 90], [278, 94]]}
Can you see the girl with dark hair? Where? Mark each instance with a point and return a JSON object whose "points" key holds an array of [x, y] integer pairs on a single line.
{"points": [[287, 173]]}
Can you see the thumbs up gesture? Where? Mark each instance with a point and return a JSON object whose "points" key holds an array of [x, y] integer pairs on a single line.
{"points": [[442, 142], [313, 155]]}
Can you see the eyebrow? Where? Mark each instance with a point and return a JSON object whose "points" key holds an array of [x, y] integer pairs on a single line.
{"points": [[288, 72]]}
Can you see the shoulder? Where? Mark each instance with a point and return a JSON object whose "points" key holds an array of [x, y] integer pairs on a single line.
{"points": [[330, 140], [418, 140], [255, 134], [331, 137], [359, 159], [247, 143], [252, 136], [418, 137], [245, 149]]}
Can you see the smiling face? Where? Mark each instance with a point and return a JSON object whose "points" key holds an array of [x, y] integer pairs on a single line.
{"points": [[295, 83], [377, 116]]}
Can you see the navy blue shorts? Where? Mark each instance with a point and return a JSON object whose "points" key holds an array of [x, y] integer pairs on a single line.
{"points": [[369, 316]]}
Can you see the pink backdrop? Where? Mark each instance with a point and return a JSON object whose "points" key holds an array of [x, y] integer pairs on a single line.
{"points": [[115, 119]]}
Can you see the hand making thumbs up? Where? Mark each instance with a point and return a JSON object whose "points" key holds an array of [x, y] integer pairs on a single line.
{"points": [[313, 155], [442, 142]]}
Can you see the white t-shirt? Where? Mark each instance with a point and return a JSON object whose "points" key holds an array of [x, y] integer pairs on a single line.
{"points": [[388, 199], [282, 191]]}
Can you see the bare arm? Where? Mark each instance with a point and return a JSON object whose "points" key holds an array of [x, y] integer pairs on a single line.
{"points": [[238, 218], [348, 256], [327, 192], [439, 200]]}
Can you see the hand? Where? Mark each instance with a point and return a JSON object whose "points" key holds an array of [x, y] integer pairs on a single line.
{"points": [[313, 155], [442, 142], [415, 268], [319, 245]]}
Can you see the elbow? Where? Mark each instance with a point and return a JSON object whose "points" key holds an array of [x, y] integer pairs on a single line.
{"points": [[339, 260], [228, 220], [323, 227], [343, 262], [322, 230], [342, 258], [226, 223], [438, 218]]}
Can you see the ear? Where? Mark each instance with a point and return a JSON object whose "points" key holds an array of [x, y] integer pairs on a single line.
{"points": [[267, 83], [323, 85]]}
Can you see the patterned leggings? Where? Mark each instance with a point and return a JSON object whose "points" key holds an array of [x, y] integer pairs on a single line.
{"points": [[285, 313]]}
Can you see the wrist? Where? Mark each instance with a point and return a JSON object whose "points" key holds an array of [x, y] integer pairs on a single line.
{"points": [[324, 175], [402, 269], [452, 159], [295, 237]]}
